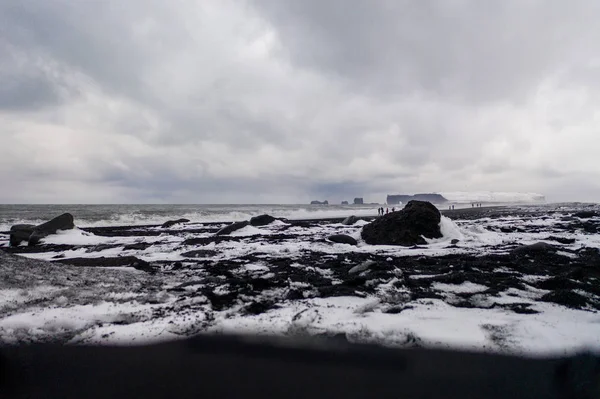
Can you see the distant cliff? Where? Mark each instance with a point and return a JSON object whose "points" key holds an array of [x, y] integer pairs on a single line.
{"points": [[402, 198], [358, 201], [319, 202]]}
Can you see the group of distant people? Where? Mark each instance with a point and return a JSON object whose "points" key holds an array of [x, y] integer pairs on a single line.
{"points": [[473, 205], [381, 211]]}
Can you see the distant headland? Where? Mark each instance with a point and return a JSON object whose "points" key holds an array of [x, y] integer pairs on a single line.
{"points": [[403, 198], [489, 197]]}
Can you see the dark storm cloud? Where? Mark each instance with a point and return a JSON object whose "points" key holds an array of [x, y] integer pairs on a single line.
{"points": [[470, 50], [94, 37], [27, 94]]}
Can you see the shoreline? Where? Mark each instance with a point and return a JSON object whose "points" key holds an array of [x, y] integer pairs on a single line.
{"points": [[452, 214], [489, 281]]}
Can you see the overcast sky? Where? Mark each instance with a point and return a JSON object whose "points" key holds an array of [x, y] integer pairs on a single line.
{"points": [[223, 101]]}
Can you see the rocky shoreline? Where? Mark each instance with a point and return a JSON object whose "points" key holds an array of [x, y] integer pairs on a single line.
{"points": [[187, 269]]}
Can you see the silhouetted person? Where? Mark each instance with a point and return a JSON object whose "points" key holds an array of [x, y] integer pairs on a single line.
{"points": [[387, 210], [393, 209]]}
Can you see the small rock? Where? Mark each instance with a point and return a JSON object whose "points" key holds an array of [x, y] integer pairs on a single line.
{"points": [[139, 246], [362, 267], [350, 220], [177, 265], [454, 241], [170, 223], [342, 239], [261, 220], [232, 227]]}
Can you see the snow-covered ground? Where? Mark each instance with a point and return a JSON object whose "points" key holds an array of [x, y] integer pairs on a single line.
{"points": [[481, 292]]}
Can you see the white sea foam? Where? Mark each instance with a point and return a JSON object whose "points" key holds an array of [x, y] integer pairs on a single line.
{"points": [[130, 216]]}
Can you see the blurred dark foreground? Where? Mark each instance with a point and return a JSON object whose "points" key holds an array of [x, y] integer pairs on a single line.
{"points": [[260, 367]]}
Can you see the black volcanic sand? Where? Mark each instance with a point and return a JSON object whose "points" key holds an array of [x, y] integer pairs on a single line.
{"points": [[555, 270]]}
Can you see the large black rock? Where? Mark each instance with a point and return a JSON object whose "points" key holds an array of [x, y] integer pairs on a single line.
{"points": [[406, 227], [20, 233], [232, 227], [62, 222], [261, 220]]}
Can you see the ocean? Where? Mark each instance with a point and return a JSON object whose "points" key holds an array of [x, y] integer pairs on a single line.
{"points": [[131, 215]]}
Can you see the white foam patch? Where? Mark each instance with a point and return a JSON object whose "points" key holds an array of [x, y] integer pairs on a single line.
{"points": [[465, 287], [433, 323], [76, 237], [248, 231], [449, 230]]}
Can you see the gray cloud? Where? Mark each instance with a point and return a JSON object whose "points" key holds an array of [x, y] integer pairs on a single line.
{"points": [[464, 50], [259, 101]]}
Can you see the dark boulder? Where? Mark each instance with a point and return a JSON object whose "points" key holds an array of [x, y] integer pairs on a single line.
{"points": [[585, 214], [232, 227], [20, 233], [407, 227], [358, 201], [171, 223], [342, 239], [454, 241], [590, 257], [177, 266], [350, 220], [261, 220], [344, 202], [62, 222]]}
